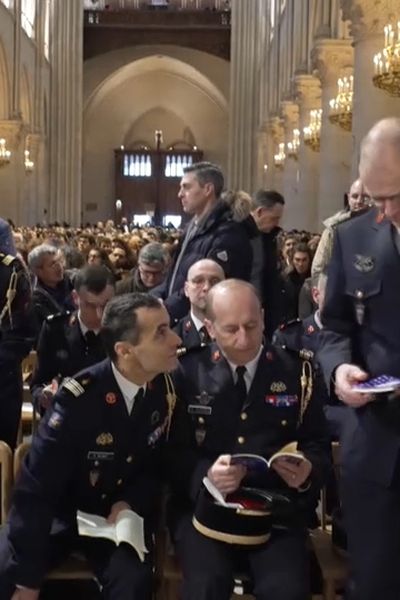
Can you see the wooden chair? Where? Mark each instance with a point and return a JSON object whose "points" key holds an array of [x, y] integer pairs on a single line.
{"points": [[334, 567], [75, 566], [6, 479], [28, 421]]}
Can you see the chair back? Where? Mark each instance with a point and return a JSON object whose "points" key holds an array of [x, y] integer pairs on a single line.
{"points": [[6, 479]]}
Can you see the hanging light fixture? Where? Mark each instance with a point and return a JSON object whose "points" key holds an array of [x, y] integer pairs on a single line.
{"points": [[312, 133], [341, 107], [293, 146], [279, 158], [28, 163], [387, 62], [5, 154]]}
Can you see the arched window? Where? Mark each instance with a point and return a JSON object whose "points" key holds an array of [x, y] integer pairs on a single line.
{"points": [[28, 14], [46, 31]]}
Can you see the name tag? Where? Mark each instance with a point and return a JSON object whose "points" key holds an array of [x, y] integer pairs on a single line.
{"points": [[97, 455], [198, 409], [281, 400]]}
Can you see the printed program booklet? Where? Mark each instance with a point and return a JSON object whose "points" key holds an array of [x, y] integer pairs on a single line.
{"points": [[255, 462]]}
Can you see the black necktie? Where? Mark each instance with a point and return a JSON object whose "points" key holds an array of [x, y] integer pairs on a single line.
{"points": [[138, 396], [240, 385], [204, 337], [91, 339]]}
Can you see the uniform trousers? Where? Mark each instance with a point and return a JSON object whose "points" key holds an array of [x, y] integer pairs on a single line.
{"points": [[121, 574], [372, 522], [279, 568]]}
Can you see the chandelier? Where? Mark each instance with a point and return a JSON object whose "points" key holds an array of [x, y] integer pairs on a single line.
{"points": [[293, 146], [279, 158], [341, 107], [28, 163], [312, 133], [5, 155], [387, 63]]}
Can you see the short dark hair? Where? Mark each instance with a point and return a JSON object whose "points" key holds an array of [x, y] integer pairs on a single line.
{"points": [[267, 198], [119, 321], [94, 278], [302, 247], [207, 172]]}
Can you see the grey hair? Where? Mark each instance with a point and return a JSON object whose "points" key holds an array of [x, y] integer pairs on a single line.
{"points": [[153, 253], [35, 256]]}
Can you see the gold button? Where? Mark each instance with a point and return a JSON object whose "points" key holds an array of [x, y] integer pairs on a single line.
{"points": [[129, 459], [284, 423], [119, 481], [201, 420], [241, 439], [103, 496], [243, 416], [359, 294]]}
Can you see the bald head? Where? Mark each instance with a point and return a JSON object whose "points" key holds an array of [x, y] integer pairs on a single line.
{"points": [[380, 166], [201, 277], [205, 264], [230, 290], [357, 199]]}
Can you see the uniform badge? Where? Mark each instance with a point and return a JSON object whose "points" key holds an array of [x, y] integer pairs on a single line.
{"points": [[188, 325], [310, 329], [204, 398], [281, 400], [155, 417], [222, 255], [111, 398], [55, 420], [364, 264], [104, 439], [278, 386], [93, 477], [269, 355], [216, 355]]}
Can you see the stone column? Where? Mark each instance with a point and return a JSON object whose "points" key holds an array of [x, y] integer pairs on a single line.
{"points": [[332, 59], [368, 18], [277, 136], [66, 56], [12, 174], [244, 95], [293, 210], [308, 96]]}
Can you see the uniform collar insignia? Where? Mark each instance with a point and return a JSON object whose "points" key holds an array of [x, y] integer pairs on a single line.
{"points": [[188, 325], [216, 355], [111, 398], [269, 355]]}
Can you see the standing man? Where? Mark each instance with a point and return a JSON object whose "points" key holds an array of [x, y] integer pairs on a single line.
{"points": [[201, 277], [212, 233], [98, 451], [361, 339], [243, 397], [68, 342], [267, 212]]}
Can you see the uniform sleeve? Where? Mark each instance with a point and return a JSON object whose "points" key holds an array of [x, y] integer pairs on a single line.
{"points": [[46, 354], [335, 346], [43, 480]]}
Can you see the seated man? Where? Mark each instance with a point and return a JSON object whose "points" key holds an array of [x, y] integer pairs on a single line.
{"points": [[201, 276], [151, 270], [69, 343], [98, 451], [243, 397]]}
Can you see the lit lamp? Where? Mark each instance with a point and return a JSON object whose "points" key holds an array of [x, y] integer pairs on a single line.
{"points": [[312, 133], [28, 163], [341, 107], [387, 63], [5, 155], [118, 204], [279, 158], [293, 146]]}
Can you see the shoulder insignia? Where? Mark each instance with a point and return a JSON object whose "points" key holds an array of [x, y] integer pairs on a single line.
{"points": [[73, 386], [7, 259], [222, 255], [182, 351], [289, 324]]}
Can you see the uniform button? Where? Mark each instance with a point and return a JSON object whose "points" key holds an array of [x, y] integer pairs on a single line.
{"points": [[241, 439], [103, 496], [201, 420], [96, 463], [129, 458], [243, 416], [359, 294], [284, 423], [119, 481]]}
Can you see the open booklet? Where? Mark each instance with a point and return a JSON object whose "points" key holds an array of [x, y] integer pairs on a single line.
{"points": [[256, 463], [128, 527]]}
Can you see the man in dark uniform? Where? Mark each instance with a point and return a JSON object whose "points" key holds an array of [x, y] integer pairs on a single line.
{"points": [[98, 450], [201, 277], [361, 339], [16, 333], [68, 342], [242, 397]]}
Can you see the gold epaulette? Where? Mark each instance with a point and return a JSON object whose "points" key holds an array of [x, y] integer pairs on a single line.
{"points": [[7, 259]]}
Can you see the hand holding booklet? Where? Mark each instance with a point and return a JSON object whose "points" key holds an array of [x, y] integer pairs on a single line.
{"points": [[128, 528], [378, 385], [256, 463]]}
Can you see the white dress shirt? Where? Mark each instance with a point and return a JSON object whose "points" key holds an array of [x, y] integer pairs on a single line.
{"points": [[128, 388], [251, 368]]}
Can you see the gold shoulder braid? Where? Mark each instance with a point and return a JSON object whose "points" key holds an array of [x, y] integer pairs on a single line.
{"points": [[10, 295], [171, 400], [306, 381]]}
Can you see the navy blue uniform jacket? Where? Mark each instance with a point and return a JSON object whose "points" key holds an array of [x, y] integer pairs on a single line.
{"points": [[362, 326], [88, 454]]}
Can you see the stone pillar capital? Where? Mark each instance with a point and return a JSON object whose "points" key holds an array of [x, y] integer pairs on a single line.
{"points": [[12, 131], [275, 126], [308, 91], [368, 17], [290, 114], [332, 59]]}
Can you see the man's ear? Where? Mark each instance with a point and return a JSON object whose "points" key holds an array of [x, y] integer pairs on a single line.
{"points": [[210, 328], [75, 298], [123, 350]]}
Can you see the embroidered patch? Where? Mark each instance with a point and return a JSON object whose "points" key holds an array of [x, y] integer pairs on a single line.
{"points": [[111, 398], [364, 264]]}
